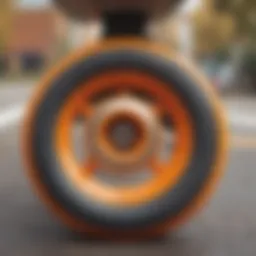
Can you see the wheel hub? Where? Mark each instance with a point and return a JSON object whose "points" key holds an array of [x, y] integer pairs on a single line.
{"points": [[124, 133]]}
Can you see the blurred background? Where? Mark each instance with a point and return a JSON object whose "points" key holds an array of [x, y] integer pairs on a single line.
{"points": [[220, 36]]}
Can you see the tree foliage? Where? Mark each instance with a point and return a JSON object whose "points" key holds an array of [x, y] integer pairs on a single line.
{"points": [[219, 23], [213, 30], [5, 23], [244, 14]]}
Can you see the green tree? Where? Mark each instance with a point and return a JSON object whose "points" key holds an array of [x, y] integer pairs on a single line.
{"points": [[213, 30], [244, 14], [5, 23]]}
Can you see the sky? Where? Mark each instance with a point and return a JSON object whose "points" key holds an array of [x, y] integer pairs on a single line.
{"points": [[189, 4]]}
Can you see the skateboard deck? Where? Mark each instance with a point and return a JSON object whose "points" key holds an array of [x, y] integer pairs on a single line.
{"points": [[90, 9]]}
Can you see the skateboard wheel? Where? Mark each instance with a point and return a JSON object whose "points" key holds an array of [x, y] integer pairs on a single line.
{"points": [[137, 86]]}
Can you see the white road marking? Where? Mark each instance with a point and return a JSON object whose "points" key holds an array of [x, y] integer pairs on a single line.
{"points": [[242, 120], [11, 115]]}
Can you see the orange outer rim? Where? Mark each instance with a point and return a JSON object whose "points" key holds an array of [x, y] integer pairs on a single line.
{"points": [[199, 200]]}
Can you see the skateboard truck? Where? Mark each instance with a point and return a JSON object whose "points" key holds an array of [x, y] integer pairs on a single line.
{"points": [[125, 23]]}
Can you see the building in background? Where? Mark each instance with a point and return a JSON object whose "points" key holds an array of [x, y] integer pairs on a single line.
{"points": [[39, 34], [37, 37], [6, 14]]}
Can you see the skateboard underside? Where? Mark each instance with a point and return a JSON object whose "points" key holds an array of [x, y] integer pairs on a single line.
{"points": [[85, 9]]}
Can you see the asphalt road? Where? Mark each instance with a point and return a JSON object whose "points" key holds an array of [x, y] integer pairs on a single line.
{"points": [[227, 226]]}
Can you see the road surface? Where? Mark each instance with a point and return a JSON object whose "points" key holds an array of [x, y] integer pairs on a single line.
{"points": [[227, 226]]}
